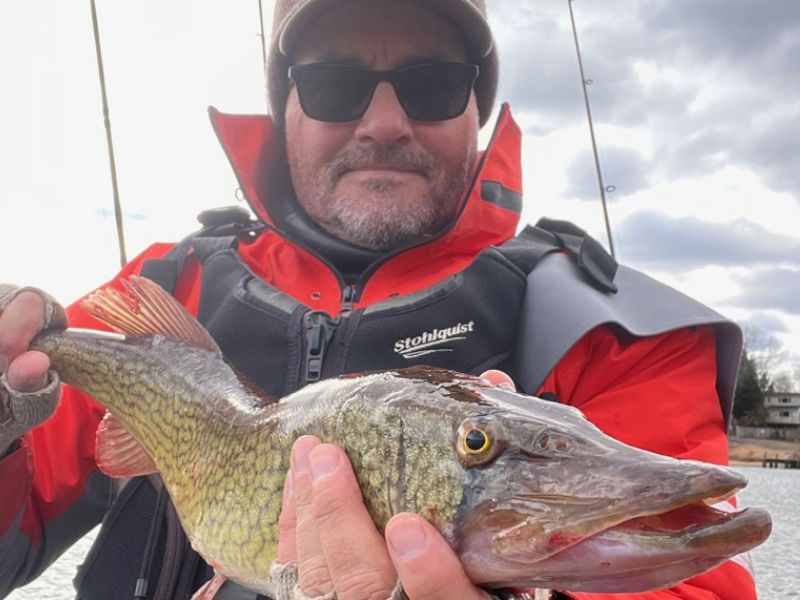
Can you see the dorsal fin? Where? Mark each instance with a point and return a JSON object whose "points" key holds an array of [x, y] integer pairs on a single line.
{"points": [[146, 308]]}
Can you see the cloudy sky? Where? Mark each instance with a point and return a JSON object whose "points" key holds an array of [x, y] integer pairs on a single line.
{"points": [[695, 106]]}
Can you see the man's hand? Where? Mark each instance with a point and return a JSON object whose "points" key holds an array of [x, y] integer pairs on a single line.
{"points": [[27, 394], [20, 320], [326, 529]]}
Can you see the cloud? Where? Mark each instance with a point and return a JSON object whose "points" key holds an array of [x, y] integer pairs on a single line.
{"points": [[767, 322], [656, 240], [777, 289], [623, 168], [774, 150], [537, 71], [714, 81], [727, 30]]}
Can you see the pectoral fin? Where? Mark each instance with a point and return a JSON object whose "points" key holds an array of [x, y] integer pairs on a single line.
{"points": [[117, 452]]}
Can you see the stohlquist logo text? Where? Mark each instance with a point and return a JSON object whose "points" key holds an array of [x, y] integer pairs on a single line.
{"points": [[428, 342]]}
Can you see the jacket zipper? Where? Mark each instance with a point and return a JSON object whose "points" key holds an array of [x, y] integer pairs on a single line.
{"points": [[320, 328], [349, 296]]}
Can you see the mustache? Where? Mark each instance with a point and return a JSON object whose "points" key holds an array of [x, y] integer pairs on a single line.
{"points": [[380, 156]]}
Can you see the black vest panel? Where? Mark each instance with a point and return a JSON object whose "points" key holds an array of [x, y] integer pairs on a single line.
{"points": [[468, 322], [100, 576], [256, 326]]}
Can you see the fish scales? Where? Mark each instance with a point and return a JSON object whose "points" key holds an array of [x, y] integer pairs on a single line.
{"points": [[223, 453], [199, 456]]}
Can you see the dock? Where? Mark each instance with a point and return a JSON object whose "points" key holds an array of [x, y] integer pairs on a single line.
{"points": [[778, 463]]}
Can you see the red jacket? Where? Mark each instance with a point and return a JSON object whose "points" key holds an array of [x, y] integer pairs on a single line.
{"points": [[635, 389]]}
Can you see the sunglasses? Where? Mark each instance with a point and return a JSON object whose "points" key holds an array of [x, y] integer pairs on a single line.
{"points": [[339, 93]]}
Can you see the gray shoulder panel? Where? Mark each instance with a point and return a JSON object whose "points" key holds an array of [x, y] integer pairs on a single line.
{"points": [[560, 307]]}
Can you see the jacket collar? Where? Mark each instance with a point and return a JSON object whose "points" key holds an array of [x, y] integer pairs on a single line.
{"points": [[489, 216]]}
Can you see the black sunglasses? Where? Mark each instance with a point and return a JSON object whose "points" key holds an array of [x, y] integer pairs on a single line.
{"points": [[339, 93]]}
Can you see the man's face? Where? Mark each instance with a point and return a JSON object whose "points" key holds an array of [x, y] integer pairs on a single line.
{"points": [[384, 179]]}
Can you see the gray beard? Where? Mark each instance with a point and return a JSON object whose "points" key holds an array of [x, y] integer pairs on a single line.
{"points": [[386, 224], [392, 226]]}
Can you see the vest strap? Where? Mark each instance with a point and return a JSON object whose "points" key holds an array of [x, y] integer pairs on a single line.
{"points": [[533, 243], [222, 228], [592, 259]]}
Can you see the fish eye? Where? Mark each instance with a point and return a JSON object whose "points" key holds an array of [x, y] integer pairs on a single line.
{"points": [[476, 441], [479, 442]]}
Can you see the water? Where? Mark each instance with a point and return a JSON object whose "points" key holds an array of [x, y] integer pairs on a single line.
{"points": [[56, 582], [777, 562]]}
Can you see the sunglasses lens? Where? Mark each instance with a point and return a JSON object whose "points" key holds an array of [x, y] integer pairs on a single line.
{"points": [[341, 93], [333, 93], [435, 92]]}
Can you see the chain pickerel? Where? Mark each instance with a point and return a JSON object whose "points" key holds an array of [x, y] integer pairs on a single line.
{"points": [[527, 492]]}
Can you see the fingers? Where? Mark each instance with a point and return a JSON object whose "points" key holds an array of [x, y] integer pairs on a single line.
{"points": [[287, 525], [28, 372], [22, 319], [314, 576], [325, 527], [354, 549], [498, 378], [425, 563]]}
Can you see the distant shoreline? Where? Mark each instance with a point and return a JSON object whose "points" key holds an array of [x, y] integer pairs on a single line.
{"points": [[750, 464], [749, 452]]}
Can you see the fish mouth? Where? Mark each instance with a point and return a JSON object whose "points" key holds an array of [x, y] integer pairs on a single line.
{"points": [[652, 552], [614, 552]]}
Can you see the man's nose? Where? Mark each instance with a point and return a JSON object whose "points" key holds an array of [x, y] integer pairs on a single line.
{"points": [[385, 121]]}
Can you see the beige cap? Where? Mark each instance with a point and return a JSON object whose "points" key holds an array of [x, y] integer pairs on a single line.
{"points": [[469, 16]]}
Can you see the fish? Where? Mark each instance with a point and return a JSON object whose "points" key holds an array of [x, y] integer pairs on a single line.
{"points": [[527, 492]]}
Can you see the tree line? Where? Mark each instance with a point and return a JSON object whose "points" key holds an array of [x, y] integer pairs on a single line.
{"points": [[766, 367]]}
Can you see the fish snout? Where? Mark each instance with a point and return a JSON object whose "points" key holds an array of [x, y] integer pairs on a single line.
{"points": [[673, 483]]}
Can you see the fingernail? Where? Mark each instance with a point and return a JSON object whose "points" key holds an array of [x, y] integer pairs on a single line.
{"points": [[300, 451], [324, 461], [407, 538]]}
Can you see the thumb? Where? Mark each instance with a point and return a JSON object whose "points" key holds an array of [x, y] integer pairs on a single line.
{"points": [[498, 378], [28, 372]]}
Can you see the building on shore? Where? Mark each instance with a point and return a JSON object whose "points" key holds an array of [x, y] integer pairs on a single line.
{"points": [[783, 408], [782, 419]]}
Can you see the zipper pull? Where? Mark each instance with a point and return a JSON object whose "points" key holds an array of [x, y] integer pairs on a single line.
{"points": [[319, 331], [348, 297]]}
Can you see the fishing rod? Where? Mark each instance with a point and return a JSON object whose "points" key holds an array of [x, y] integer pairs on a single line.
{"points": [[263, 37], [109, 142], [584, 83]]}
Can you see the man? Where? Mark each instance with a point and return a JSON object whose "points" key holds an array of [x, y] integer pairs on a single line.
{"points": [[374, 195]]}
